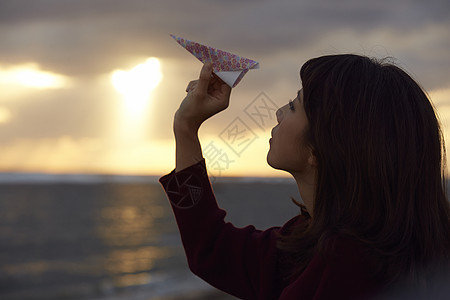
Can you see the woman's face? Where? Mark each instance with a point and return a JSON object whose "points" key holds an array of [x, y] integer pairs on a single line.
{"points": [[289, 150]]}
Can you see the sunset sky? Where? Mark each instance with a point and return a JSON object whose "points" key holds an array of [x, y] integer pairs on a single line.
{"points": [[91, 86]]}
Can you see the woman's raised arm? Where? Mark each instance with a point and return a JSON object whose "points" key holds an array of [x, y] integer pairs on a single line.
{"points": [[206, 97]]}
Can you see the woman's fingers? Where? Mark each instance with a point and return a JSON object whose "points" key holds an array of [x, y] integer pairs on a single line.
{"points": [[206, 97], [226, 90], [203, 81], [208, 84]]}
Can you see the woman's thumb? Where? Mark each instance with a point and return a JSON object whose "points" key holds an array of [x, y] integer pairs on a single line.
{"points": [[205, 77]]}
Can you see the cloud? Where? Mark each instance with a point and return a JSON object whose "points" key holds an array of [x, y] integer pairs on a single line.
{"points": [[86, 155], [30, 75], [91, 155], [5, 115], [91, 37], [83, 110], [49, 155]]}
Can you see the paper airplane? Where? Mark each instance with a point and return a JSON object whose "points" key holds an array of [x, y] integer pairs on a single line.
{"points": [[229, 67]]}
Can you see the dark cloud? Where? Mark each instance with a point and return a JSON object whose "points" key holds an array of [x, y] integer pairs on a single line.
{"points": [[88, 37]]}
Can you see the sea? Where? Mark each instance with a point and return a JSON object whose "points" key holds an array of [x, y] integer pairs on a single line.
{"points": [[105, 237]]}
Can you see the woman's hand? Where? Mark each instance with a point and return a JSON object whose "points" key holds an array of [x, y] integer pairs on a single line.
{"points": [[206, 97]]}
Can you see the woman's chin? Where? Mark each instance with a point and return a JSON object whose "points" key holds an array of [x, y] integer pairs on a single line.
{"points": [[268, 159], [271, 162]]}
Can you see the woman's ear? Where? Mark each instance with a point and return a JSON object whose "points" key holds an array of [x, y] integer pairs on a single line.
{"points": [[312, 161]]}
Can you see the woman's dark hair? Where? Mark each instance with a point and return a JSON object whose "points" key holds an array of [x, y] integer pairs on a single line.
{"points": [[380, 168]]}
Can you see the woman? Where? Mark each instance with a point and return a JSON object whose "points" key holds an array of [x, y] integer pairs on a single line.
{"points": [[364, 145]]}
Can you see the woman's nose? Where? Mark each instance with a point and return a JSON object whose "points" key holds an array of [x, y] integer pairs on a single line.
{"points": [[279, 113]]}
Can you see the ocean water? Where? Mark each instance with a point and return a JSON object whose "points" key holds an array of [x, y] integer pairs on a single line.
{"points": [[113, 238]]}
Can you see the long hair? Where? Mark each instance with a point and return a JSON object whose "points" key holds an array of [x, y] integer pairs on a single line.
{"points": [[380, 168]]}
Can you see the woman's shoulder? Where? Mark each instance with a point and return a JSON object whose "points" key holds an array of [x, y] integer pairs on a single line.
{"points": [[341, 249], [339, 271]]}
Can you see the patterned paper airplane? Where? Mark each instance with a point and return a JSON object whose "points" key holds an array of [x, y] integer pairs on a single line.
{"points": [[229, 67]]}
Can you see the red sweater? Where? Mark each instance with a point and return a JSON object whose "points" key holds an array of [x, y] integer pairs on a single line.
{"points": [[243, 261]]}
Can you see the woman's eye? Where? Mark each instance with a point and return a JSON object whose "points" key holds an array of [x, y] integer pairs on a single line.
{"points": [[291, 105]]}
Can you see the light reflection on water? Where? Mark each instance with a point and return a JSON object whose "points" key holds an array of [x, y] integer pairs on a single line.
{"points": [[122, 225], [85, 241], [133, 261], [59, 235], [125, 228]]}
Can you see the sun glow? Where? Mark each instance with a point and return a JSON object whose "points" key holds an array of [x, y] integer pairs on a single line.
{"points": [[30, 75], [136, 84], [5, 115]]}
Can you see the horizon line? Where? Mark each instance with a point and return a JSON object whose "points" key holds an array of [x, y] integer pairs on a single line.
{"points": [[7, 177]]}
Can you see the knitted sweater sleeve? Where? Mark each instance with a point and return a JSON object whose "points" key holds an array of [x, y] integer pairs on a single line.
{"points": [[239, 261]]}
